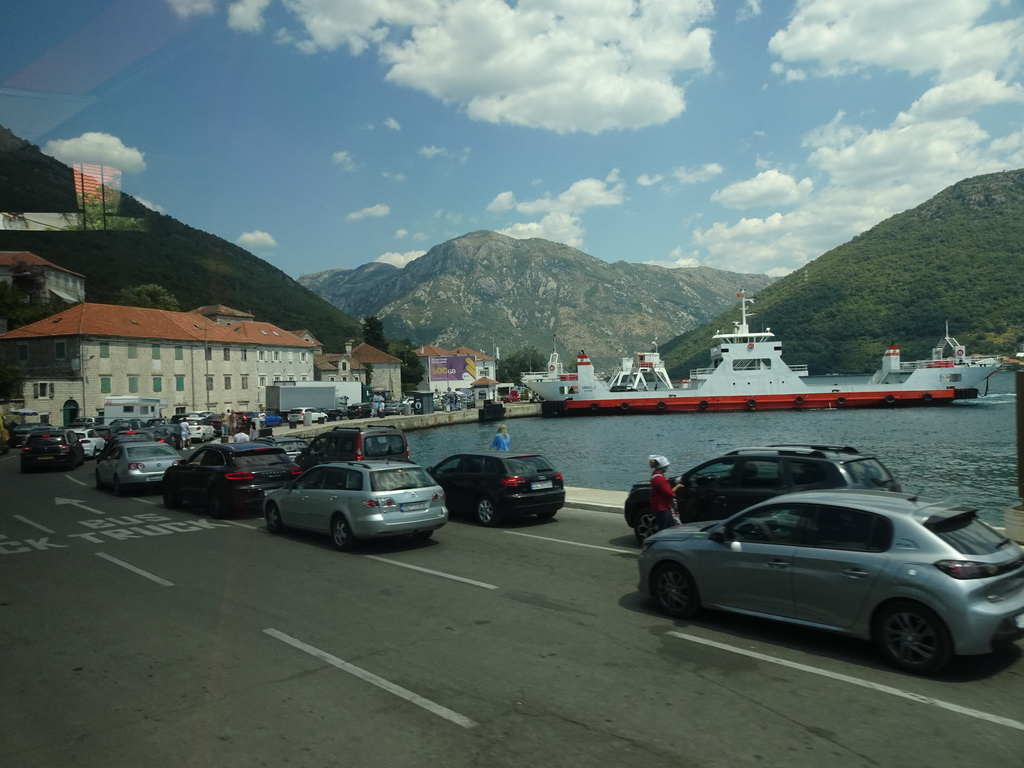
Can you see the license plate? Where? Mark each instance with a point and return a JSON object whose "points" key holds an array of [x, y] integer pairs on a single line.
{"points": [[154, 478], [412, 506], [540, 484], [44, 458], [1020, 621]]}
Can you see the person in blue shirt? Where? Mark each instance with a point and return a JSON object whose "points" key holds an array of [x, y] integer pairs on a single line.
{"points": [[501, 441]]}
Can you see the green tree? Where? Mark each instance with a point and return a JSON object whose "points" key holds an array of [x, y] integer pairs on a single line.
{"points": [[10, 381], [149, 296], [412, 366], [18, 310], [373, 333], [519, 362]]}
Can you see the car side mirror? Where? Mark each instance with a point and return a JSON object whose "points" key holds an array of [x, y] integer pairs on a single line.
{"points": [[719, 535]]}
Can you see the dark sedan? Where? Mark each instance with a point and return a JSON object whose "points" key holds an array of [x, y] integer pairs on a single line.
{"points": [[50, 448], [494, 486], [228, 477], [360, 410]]}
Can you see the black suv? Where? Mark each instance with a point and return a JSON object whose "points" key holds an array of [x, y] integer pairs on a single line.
{"points": [[355, 444], [496, 485], [52, 447], [227, 477], [721, 487]]}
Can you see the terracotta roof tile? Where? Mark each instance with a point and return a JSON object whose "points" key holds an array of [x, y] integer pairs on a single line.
{"points": [[137, 322], [430, 350], [10, 258], [364, 353]]}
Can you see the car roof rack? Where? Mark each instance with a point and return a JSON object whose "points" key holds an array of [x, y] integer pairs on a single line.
{"points": [[797, 449]]}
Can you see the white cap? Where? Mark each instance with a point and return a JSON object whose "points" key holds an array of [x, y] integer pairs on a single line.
{"points": [[659, 461]]}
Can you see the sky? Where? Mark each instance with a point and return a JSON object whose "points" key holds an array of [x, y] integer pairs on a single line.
{"points": [[749, 136]]}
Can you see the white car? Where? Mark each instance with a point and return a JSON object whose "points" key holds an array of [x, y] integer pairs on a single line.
{"points": [[199, 432], [299, 414], [91, 442]]}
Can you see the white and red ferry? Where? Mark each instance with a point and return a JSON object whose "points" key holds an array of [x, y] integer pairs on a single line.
{"points": [[748, 374]]}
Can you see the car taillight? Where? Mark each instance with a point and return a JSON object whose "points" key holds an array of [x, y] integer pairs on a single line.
{"points": [[511, 482], [65, 448], [558, 476], [967, 569], [136, 465], [438, 496], [388, 502], [239, 476], [296, 470]]}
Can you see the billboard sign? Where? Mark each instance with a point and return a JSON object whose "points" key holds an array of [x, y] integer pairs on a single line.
{"points": [[453, 370]]}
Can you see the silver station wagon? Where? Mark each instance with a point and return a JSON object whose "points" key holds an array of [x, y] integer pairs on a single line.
{"points": [[924, 579], [134, 465], [359, 500]]}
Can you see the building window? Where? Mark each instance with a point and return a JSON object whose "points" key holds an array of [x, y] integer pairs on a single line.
{"points": [[133, 384], [263, 381], [291, 356], [245, 381], [262, 355], [105, 385], [277, 355], [156, 352], [133, 351], [227, 353], [42, 390], [209, 353], [158, 384], [60, 350], [179, 383], [209, 383], [22, 352], [245, 354], [104, 349], [179, 353], [302, 357], [227, 382]]}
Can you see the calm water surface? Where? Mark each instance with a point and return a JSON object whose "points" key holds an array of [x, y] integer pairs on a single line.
{"points": [[967, 449]]}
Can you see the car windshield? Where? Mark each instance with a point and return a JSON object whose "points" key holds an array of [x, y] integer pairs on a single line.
{"points": [[263, 458], [869, 473], [150, 452], [528, 465], [400, 479]]}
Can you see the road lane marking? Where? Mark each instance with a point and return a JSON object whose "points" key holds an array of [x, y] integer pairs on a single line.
{"points": [[857, 681], [442, 574], [77, 503], [144, 501], [574, 543], [130, 567], [26, 521], [75, 480], [373, 679], [244, 525]]}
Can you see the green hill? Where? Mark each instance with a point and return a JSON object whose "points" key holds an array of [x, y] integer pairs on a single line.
{"points": [[195, 267], [958, 257]]}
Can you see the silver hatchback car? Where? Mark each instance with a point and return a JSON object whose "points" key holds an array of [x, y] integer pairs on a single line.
{"points": [[924, 579], [359, 500], [135, 464]]}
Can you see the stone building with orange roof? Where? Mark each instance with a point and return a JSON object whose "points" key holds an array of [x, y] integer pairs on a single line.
{"points": [[70, 362], [58, 283]]}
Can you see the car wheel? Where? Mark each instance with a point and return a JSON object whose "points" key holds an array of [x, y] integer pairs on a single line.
{"points": [[341, 534], [272, 516], [675, 591], [172, 499], [486, 511], [912, 637], [547, 515], [646, 525], [115, 486], [217, 507]]}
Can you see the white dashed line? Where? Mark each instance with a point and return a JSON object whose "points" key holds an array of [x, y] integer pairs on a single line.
{"points": [[432, 573], [133, 569], [574, 543]]}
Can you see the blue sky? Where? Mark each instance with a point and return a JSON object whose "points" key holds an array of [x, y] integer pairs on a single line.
{"points": [[750, 136]]}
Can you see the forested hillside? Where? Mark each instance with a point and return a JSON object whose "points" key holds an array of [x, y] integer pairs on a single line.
{"points": [[958, 257]]}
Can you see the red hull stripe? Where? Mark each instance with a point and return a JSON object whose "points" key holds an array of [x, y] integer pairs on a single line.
{"points": [[764, 403]]}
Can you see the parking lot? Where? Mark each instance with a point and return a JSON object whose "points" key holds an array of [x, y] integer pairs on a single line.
{"points": [[135, 635]]}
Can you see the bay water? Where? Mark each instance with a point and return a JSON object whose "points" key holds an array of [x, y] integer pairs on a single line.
{"points": [[965, 451]]}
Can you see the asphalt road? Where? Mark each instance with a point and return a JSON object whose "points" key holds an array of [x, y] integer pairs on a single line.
{"points": [[132, 635]]}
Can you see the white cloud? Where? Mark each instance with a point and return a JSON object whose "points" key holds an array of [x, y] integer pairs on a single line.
{"points": [[393, 124], [373, 211], [247, 15], [393, 176], [98, 148], [697, 175], [767, 188], [345, 160], [504, 201], [941, 36], [151, 205], [961, 98], [430, 152], [401, 234], [186, 8], [581, 195], [644, 180], [256, 239], [399, 259], [677, 259], [558, 227]]}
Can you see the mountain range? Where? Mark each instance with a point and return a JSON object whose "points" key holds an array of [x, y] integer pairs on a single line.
{"points": [[486, 290]]}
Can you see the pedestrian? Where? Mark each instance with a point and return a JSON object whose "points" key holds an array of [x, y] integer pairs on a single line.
{"points": [[502, 441], [663, 495], [186, 436]]}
